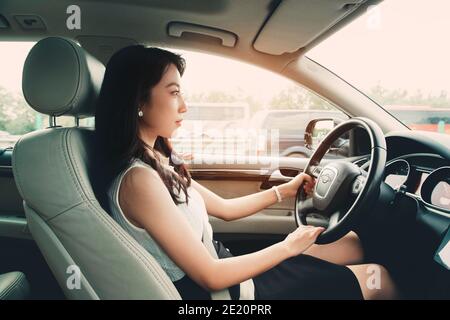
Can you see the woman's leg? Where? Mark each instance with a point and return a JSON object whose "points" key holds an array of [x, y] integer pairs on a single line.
{"points": [[345, 251], [375, 282], [374, 279]]}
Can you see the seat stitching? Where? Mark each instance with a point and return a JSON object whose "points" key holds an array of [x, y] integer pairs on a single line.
{"points": [[12, 285], [64, 211], [9, 287]]}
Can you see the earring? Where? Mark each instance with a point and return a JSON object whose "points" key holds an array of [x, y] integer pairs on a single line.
{"points": [[140, 113]]}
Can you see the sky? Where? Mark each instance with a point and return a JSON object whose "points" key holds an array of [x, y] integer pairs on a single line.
{"points": [[12, 57], [207, 72], [398, 44]]}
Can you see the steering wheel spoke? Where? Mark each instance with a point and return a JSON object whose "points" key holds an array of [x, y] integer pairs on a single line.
{"points": [[357, 185], [334, 219], [305, 207]]}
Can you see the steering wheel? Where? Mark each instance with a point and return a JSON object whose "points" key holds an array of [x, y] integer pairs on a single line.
{"points": [[343, 191]]}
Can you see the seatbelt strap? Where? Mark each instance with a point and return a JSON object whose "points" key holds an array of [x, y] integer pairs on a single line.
{"points": [[208, 242], [247, 288]]}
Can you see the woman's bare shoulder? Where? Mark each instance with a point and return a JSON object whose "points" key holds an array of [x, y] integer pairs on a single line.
{"points": [[140, 178], [140, 192]]}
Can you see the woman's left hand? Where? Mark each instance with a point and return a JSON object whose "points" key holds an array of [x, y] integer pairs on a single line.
{"points": [[309, 183]]}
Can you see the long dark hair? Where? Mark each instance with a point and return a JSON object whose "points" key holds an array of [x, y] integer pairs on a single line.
{"points": [[130, 75]]}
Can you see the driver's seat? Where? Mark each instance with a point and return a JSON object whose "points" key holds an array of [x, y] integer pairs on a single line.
{"points": [[52, 172]]}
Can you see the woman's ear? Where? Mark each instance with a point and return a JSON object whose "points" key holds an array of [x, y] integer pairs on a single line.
{"points": [[142, 107]]}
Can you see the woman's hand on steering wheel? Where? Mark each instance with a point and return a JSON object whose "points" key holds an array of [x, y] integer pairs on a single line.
{"points": [[302, 178], [301, 239]]}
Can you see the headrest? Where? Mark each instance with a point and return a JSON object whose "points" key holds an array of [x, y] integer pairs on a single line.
{"points": [[60, 78]]}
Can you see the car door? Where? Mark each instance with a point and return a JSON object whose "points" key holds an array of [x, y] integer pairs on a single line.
{"points": [[232, 180]]}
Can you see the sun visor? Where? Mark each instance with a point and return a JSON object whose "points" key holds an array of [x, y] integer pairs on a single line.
{"points": [[294, 24]]}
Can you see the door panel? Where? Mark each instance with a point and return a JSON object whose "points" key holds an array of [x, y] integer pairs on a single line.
{"points": [[230, 180], [18, 250], [10, 199], [239, 178], [12, 217], [246, 176]]}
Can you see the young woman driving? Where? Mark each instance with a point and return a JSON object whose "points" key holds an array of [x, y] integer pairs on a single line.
{"points": [[164, 209]]}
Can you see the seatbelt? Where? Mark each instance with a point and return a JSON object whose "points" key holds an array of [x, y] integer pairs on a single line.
{"points": [[208, 242], [247, 288]]}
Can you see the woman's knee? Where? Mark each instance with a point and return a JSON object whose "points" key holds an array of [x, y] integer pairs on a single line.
{"points": [[347, 250], [375, 281], [356, 245]]}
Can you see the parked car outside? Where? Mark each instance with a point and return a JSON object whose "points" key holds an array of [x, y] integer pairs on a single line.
{"points": [[212, 128], [424, 118], [289, 126]]}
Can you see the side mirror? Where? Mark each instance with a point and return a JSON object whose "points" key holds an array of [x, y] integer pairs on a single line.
{"points": [[317, 129]]}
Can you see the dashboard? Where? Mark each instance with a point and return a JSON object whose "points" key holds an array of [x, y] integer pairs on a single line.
{"points": [[418, 167], [400, 173], [421, 167], [440, 196], [431, 185]]}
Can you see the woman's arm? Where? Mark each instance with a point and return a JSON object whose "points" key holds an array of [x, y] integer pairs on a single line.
{"points": [[236, 208], [144, 199]]}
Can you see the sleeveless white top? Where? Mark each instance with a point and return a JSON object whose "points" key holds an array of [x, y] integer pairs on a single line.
{"points": [[194, 212]]}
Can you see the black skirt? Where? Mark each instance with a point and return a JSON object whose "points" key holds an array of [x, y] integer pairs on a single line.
{"points": [[301, 277], [305, 277]]}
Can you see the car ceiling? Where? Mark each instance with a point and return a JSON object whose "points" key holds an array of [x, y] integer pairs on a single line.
{"points": [[259, 26]]}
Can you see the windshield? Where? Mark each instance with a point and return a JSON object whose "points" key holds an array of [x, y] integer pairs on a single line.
{"points": [[217, 112], [295, 122], [398, 54]]}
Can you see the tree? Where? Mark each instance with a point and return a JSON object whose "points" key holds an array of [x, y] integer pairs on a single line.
{"points": [[399, 96], [297, 97], [222, 96], [16, 116]]}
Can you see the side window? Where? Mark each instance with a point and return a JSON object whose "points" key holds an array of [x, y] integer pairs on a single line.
{"points": [[69, 121], [16, 116], [238, 109]]}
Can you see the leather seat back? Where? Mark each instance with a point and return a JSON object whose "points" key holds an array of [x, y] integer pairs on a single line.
{"points": [[52, 169]]}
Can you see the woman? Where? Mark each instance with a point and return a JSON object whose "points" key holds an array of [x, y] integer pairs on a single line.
{"points": [[139, 108]]}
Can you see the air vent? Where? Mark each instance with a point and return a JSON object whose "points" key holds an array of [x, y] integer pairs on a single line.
{"points": [[30, 22], [4, 24]]}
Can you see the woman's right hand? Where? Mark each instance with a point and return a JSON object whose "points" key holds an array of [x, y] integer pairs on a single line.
{"points": [[301, 239]]}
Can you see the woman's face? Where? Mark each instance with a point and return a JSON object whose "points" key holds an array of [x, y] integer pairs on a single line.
{"points": [[164, 110]]}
